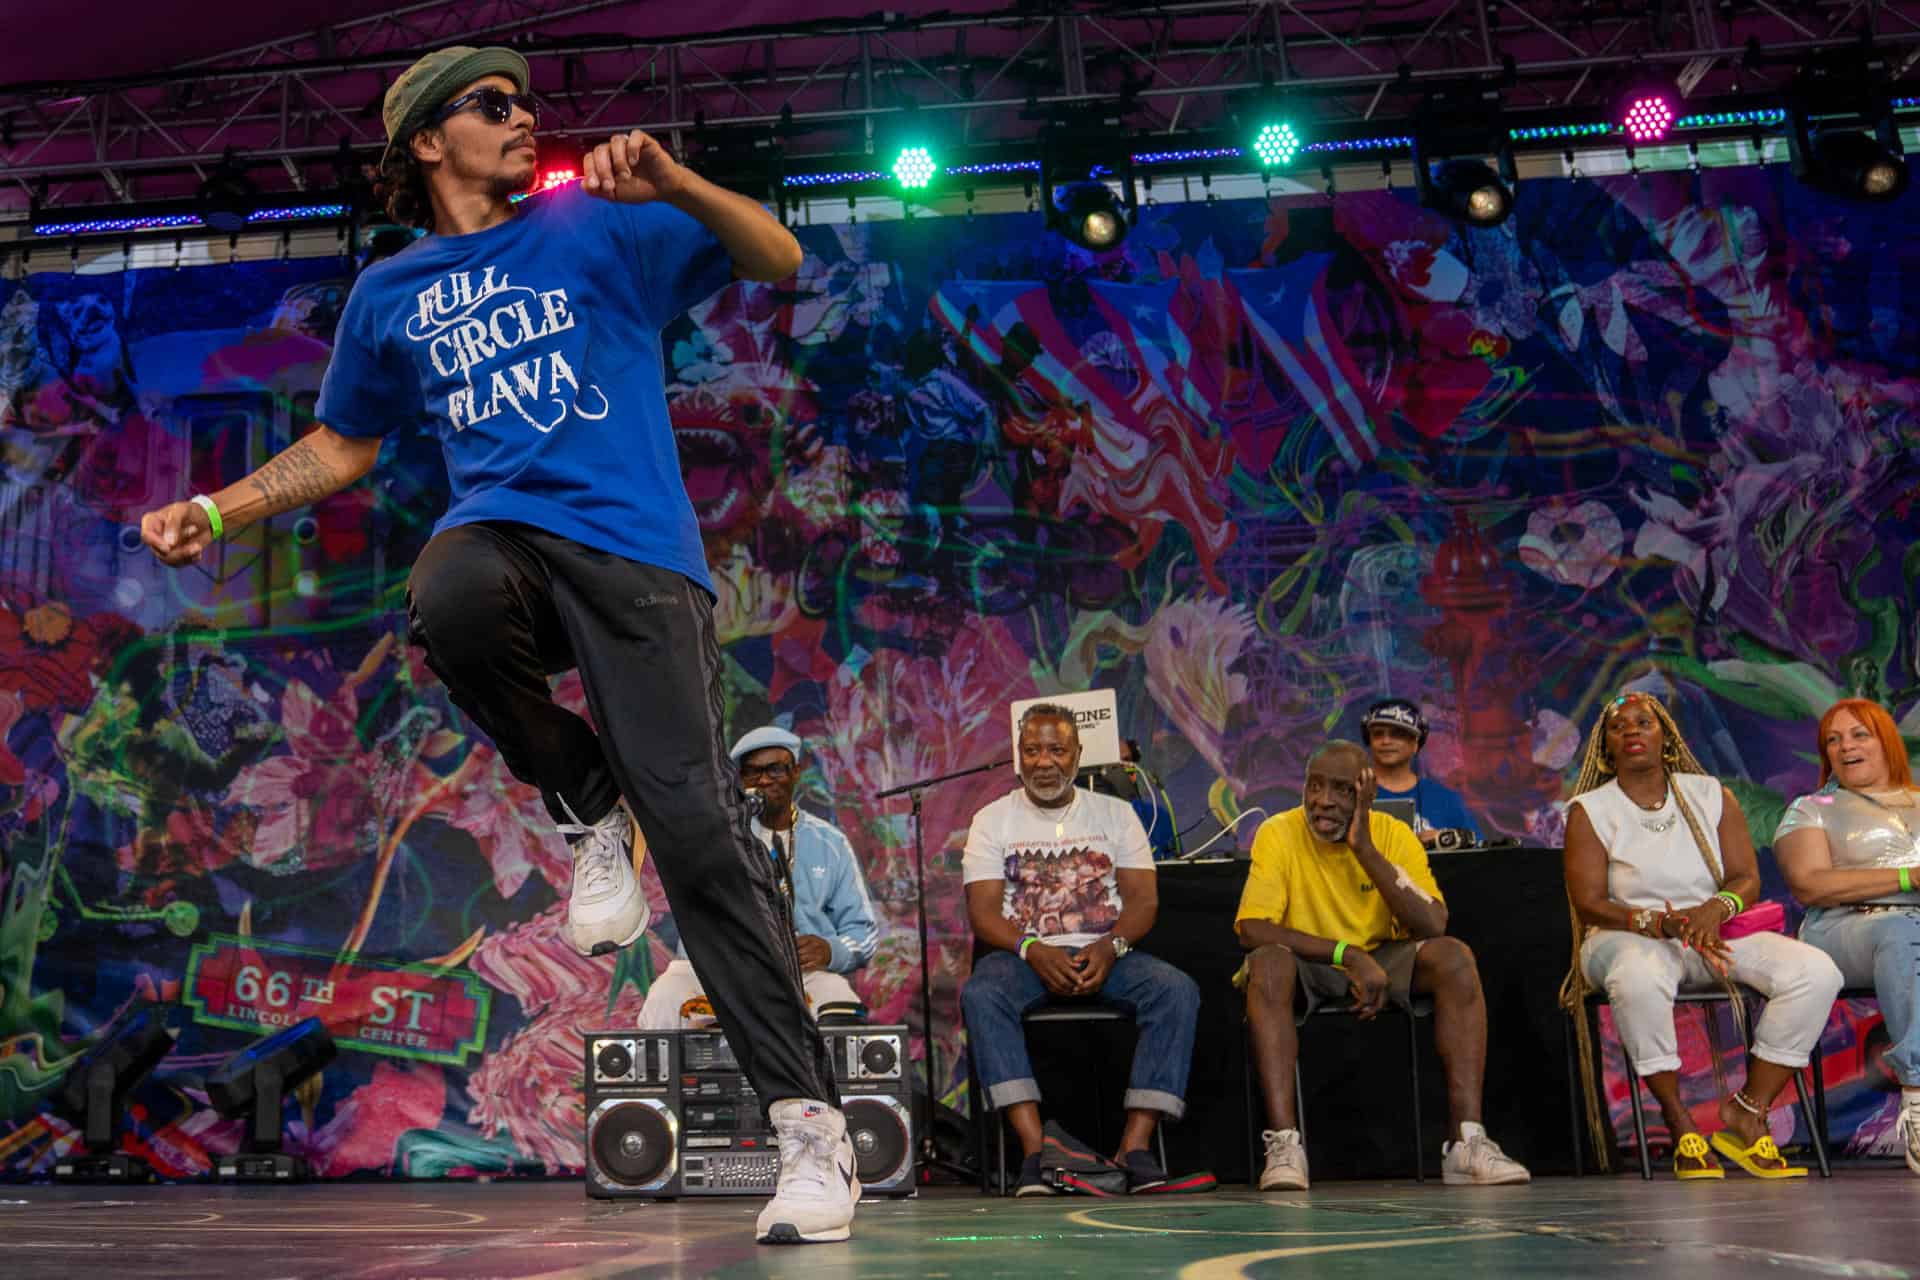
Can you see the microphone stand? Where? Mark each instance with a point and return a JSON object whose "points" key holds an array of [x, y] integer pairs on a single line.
{"points": [[929, 1157]]}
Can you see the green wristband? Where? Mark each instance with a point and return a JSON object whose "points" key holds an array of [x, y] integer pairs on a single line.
{"points": [[1339, 950], [1906, 880], [1733, 900], [214, 521], [1026, 942]]}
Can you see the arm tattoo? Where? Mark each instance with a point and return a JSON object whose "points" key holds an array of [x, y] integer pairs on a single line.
{"points": [[296, 477]]}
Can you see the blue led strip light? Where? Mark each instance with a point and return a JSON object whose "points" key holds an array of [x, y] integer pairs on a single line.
{"points": [[1719, 119], [1361, 144], [92, 226], [293, 211], [1538, 133], [997, 166], [1182, 157], [182, 221]]}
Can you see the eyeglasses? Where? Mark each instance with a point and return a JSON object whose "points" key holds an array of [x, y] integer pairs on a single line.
{"points": [[495, 104], [765, 772]]}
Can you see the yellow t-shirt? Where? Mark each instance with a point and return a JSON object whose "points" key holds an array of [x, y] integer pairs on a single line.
{"points": [[1321, 889]]}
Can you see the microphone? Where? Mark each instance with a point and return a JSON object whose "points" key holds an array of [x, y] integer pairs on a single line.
{"points": [[756, 800]]}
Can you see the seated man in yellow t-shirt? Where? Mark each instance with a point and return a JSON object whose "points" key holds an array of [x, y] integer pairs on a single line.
{"points": [[1340, 902]]}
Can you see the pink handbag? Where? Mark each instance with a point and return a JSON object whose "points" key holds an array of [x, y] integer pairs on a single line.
{"points": [[1765, 916]]}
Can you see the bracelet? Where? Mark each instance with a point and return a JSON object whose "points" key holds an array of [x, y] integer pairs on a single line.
{"points": [[1339, 950], [1906, 880], [1733, 900], [205, 503], [1026, 942]]}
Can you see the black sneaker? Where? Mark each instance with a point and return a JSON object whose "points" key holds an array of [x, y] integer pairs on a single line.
{"points": [[1142, 1173], [1031, 1183]]}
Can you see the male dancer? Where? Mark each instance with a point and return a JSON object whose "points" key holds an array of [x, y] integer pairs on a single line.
{"points": [[528, 339]]}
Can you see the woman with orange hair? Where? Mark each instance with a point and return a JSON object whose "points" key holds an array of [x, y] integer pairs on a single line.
{"points": [[1851, 853]]}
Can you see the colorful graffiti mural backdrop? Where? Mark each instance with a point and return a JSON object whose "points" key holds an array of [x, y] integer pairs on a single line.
{"points": [[1261, 465]]}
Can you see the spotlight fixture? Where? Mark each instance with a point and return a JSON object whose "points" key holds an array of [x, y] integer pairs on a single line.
{"points": [[1450, 174], [908, 148], [747, 159], [1646, 108], [253, 1084], [227, 196], [1848, 161], [1087, 174], [1465, 189], [94, 1092], [914, 167], [1090, 215], [560, 162], [1276, 144], [1841, 133]]}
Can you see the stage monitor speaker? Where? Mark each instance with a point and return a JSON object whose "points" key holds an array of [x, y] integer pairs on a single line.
{"points": [[670, 1113]]}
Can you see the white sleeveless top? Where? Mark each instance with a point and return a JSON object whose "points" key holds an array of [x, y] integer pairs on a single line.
{"points": [[1648, 867]]}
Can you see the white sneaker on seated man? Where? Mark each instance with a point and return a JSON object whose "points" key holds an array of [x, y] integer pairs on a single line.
{"points": [[833, 919], [1341, 903]]}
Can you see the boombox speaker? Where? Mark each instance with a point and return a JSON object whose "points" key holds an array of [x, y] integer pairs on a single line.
{"points": [[669, 1113]]}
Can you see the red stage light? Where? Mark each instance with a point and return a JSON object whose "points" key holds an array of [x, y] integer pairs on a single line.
{"points": [[551, 178], [1647, 117]]}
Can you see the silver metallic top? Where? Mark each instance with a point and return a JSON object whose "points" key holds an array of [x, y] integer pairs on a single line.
{"points": [[1862, 831]]}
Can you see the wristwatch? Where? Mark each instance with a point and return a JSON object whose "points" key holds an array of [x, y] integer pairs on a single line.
{"points": [[1120, 945]]}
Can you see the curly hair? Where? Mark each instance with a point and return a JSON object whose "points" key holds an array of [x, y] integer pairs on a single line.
{"points": [[403, 190]]}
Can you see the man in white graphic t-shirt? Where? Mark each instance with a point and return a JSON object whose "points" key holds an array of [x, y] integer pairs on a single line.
{"points": [[1060, 883]]}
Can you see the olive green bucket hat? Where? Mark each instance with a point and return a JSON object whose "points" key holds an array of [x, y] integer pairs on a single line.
{"points": [[426, 86]]}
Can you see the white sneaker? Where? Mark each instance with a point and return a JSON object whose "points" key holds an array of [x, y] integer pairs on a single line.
{"points": [[1477, 1161], [605, 910], [1908, 1127], [813, 1203], [1286, 1161]]}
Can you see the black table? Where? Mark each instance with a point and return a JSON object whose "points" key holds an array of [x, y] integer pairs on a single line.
{"points": [[1509, 905]]}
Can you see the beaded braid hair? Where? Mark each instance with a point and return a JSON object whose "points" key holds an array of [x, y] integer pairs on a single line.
{"points": [[1596, 770]]}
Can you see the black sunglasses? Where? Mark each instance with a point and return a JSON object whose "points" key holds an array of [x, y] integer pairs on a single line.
{"points": [[495, 104]]}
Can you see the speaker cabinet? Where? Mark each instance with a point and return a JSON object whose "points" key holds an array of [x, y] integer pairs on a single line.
{"points": [[670, 1113]]}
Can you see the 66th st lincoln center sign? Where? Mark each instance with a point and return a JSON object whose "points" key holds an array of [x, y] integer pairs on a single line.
{"points": [[405, 1011]]}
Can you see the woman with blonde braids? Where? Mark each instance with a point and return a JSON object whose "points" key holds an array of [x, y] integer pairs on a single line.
{"points": [[1658, 858]]}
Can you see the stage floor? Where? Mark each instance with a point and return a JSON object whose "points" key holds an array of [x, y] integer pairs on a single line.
{"points": [[1863, 1223]]}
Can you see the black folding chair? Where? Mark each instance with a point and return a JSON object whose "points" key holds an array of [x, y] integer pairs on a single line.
{"points": [[1422, 1007], [1595, 999], [1051, 1013]]}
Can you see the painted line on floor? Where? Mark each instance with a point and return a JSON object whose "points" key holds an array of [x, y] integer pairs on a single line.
{"points": [[1233, 1266], [1085, 1218]]}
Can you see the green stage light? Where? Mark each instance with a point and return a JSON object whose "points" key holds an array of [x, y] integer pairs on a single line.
{"points": [[1276, 144], [913, 167]]}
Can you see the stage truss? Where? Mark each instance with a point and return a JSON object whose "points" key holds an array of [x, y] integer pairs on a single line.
{"points": [[285, 109]]}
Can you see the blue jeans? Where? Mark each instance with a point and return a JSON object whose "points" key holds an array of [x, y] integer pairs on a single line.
{"points": [[1880, 949], [1164, 1002]]}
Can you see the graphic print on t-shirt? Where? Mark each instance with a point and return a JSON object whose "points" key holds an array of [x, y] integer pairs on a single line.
{"points": [[1055, 892], [474, 330]]}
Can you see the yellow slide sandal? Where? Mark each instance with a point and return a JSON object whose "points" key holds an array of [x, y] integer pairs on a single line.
{"points": [[1750, 1158], [1698, 1164]]}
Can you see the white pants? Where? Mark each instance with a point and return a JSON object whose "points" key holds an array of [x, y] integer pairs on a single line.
{"points": [[1642, 975], [678, 983]]}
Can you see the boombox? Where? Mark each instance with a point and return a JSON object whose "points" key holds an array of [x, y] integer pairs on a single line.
{"points": [[669, 1113]]}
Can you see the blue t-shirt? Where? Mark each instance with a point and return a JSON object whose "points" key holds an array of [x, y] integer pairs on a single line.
{"points": [[532, 350], [1437, 807]]}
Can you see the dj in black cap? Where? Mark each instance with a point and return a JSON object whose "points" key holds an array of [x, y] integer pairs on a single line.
{"points": [[1396, 731]]}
